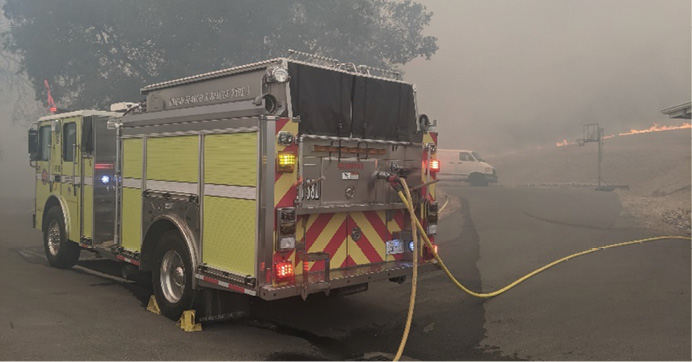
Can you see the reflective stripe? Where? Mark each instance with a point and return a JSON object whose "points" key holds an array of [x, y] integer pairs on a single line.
{"points": [[223, 284], [182, 187], [133, 183], [127, 260], [237, 192]]}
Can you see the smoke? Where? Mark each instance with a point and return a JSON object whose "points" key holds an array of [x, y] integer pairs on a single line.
{"points": [[519, 74], [512, 75]]}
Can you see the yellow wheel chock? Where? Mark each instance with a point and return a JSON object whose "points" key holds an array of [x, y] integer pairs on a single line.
{"points": [[153, 306], [187, 322]]}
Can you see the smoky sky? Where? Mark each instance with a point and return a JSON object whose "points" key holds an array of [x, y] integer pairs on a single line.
{"points": [[517, 74]]}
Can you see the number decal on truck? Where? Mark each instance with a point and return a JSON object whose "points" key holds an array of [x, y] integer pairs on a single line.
{"points": [[312, 190]]}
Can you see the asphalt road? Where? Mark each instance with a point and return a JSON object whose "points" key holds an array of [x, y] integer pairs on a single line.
{"points": [[625, 303]]}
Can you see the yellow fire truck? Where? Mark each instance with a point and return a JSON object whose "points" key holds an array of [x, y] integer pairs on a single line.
{"points": [[263, 179]]}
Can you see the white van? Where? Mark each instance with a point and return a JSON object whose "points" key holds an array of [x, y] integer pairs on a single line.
{"points": [[464, 165]]}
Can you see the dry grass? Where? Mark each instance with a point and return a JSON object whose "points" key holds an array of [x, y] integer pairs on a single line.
{"points": [[655, 166]]}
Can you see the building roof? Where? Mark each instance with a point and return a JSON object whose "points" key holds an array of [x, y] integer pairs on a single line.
{"points": [[680, 111]]}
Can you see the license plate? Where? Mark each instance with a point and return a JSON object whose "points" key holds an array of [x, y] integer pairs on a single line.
{"points": [[395, 247]]}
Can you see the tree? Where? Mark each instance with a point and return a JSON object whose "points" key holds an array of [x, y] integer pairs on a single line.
{"points": [[94, 53]]}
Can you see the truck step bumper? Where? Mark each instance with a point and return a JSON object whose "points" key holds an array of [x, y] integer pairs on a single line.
{"points": [[340, 278]]}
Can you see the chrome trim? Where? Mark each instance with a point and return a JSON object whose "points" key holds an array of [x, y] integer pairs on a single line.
{"points": [[142, 232], [118, 187], [210, 75], [236, 192], [265, 241], [192, 114], [348, 207], [172, 276], [54, 238], [236, 125], [252, 66], [64, 209], [289, 102], [83, 113], [368, 140], [200, 192], [180, 187], [133, 183]]}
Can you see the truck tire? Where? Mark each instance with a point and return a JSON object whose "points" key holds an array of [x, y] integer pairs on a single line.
{"points": [[60, 252], [172, 275], [477, 179]]}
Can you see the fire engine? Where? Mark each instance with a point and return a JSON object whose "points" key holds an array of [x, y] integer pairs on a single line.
{"points": [[260, 179]]}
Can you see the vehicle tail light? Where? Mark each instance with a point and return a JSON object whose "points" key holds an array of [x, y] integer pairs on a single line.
{"points": [[434, 166], [427, 253], [286, 161], [283, 271]]}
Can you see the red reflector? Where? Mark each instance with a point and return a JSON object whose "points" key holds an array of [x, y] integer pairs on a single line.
{"points": [[283, 271], [103, 166]]}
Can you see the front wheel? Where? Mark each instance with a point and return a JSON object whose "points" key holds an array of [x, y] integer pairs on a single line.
{"points": [[172, 275], [60, 252]]}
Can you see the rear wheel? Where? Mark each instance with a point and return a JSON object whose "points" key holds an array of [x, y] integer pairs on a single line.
{"points": [[60, 252], [476, 179], [172, 275]]}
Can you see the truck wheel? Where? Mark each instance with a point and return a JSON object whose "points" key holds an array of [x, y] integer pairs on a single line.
{"points": [[172, 275], [476, 179], [60, 252]]}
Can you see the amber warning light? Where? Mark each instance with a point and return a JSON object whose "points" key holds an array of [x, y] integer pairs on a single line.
{"points": [[286, 161]]}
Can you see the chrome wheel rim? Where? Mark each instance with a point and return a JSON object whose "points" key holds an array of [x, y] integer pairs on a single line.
{"points": [[172, 276], [53, 238]]}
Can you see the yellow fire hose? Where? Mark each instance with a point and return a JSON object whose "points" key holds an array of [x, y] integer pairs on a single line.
{"points": [[409, 205]]}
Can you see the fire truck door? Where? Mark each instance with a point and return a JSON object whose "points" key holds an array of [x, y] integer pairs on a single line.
{"points": [[70, 179], [44, 180]]}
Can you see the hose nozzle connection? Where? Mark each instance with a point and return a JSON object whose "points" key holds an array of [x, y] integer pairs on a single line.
{"points": [[391, 178]]}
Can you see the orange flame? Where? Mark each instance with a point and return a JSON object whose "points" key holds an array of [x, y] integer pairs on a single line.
{"points": [[654, 128], [563, 143]]}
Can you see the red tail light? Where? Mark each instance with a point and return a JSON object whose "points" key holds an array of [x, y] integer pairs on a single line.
{"points": [[428, 254], [283, 271], [434, 165]]}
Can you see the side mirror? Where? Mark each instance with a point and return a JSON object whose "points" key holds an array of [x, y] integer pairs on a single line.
{"points": [[33, 144], [423, 122]]}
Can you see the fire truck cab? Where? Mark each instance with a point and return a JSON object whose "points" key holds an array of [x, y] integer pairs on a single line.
{"points": [[259, 179]]}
